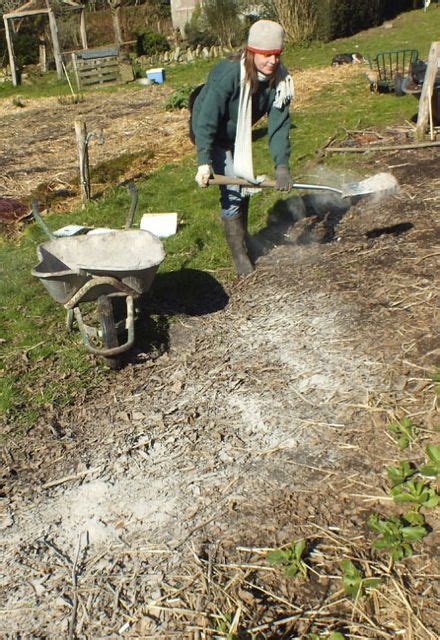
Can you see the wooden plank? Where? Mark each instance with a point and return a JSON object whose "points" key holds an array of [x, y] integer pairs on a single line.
{"points": [[96, 76], [16, 15], [95, 73], [90, 73], [92, 81], [427, 90], [97, 70], [100, 52], [104, 62]]}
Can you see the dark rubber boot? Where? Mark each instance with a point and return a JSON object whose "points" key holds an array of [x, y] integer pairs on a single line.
{"points": [[250, 245], [235, 235]]}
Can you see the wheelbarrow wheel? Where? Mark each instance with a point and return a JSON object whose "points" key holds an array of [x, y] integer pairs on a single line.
{"points": [[108, 329]]}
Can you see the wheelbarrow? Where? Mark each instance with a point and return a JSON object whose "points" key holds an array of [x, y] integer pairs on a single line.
{"points": [[100, 267]]}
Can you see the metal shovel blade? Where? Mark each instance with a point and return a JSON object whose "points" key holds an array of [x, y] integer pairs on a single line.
{"points": [[381, 183]]}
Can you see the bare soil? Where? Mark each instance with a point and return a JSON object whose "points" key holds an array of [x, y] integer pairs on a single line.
{"points": [[146, 508]]}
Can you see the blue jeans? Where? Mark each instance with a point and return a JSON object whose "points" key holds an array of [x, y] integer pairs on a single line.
{"points": [[232, 200]]}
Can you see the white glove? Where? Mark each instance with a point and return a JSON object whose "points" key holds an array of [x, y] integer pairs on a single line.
{"points": [[204, 172]]}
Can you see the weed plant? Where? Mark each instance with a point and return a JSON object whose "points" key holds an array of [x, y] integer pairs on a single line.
{"points": [[290, 559], [356, 585]]}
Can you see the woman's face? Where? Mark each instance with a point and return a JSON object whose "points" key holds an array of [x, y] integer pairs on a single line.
{"points": [[266, 63]]}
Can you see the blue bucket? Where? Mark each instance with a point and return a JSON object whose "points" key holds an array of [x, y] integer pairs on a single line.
{"points": [[156, 75]]}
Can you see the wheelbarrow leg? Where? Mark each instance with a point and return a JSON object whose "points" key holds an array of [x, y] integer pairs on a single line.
{"points": [[108, 329]]}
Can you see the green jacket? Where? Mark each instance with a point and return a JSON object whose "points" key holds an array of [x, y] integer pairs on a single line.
{"points": [[215, 113]]}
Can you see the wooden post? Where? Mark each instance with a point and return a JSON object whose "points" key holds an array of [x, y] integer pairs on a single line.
{"points": [[42, 56], [83, 154], [82, 29], [11, 52], [75, 68], [427, 90], [55, 43]]}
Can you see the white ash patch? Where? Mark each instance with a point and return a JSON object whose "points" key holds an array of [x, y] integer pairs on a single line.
{"points": [[251, 400], [310, 339], [101, 509]]}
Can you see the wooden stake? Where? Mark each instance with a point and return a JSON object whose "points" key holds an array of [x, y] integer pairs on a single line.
{"points": [[427, 90], [42, 57], [83, 154], [431, 121], [82, 29], [55, 43], [75, 68], [11, 52]]}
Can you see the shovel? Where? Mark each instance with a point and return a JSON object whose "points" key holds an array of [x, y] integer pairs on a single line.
{"points": [[380, 183]]}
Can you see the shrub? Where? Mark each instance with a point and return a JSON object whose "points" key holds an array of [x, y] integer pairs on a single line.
{"points": [[217, 22], [149, 42], [222, 17], [298, 18], [197, 31]]}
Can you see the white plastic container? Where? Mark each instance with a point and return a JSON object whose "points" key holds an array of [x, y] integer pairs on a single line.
{"points": [[162, 225]]}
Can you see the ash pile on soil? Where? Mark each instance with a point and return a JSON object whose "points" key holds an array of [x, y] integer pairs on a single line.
{"points": [[251, 405]]}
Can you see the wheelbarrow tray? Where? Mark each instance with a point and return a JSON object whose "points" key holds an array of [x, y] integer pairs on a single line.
{"points": [[67, 264]]}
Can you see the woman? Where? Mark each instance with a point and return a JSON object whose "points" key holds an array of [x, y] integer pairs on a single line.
{"points": [[237, 94]]}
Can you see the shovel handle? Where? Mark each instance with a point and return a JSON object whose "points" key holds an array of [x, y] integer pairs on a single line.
{"points": [[222, 180]]}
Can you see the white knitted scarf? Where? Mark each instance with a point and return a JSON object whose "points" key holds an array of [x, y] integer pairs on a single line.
{"points": [[284, 92]]}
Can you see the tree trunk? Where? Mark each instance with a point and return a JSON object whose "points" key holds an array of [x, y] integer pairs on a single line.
{"points": [[117, 24]]}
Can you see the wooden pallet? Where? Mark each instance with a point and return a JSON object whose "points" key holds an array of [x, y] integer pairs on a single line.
{"points": [[96, 66]]}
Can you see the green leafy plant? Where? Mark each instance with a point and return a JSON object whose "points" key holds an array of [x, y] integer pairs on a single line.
{"points": [[405, 431], [415, 518], [179, 99], [397, 534], [400, 473], [417, 492], [355, 585], [290, 559], [433, 467], [150, 42]]}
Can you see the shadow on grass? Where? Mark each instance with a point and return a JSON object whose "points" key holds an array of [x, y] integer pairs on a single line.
{"points": [[187, 292]]}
